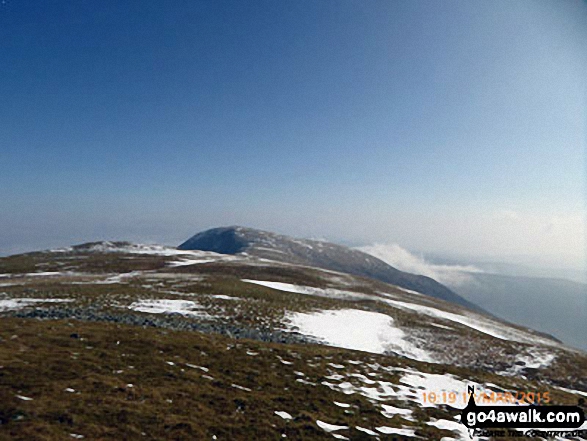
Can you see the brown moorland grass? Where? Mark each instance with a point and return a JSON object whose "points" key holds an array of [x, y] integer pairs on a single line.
{"points": [[105, 381]]}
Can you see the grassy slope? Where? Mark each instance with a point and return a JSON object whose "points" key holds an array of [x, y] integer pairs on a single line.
{"points": [[41, 359]]}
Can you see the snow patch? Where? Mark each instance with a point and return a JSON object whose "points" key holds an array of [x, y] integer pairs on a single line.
{"points": [[190, 257], [236, 386], [392, 430], [329, 427], [282, 414], [390, 411], [193, 366], [185, 262], [223, 297], [134, 248], [170, 306], [14, 304], [43, 273], [370, 331], [119, 278], [331, 293], [367, 431], [572, 391], [344, 405], [534, 358]]}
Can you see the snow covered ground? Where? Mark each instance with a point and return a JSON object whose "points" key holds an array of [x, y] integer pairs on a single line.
{"points": [[378, 333], [469, 319], [533, 357], [187, 257], [185, 262], [312, 291], [357, 329], [14, 304], [119, 278], [129, 248], [413, 390], [170, 306], [44, 274]]}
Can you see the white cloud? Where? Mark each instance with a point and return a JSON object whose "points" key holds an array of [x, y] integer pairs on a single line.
{"points": [[402, 259]]}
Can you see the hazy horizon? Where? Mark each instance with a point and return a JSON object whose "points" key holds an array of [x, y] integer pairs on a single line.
{"points": [[453, 128], [447, 268]]}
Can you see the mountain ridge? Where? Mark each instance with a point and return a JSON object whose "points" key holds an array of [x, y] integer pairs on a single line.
{"points": [[319, 254]]}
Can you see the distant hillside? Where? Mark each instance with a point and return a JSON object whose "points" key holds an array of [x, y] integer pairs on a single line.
{"points": [[325, 255]]}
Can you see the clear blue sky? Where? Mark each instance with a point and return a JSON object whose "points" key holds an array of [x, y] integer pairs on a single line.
{"points": [[440, 125]]}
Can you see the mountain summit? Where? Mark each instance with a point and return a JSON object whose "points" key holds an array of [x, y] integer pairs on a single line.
{"points": [[319, 254]]}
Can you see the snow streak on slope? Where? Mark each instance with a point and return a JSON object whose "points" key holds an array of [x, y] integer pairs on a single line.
{"points": [[356, 329], [475, 321], [192, 261], [13, 304], [310, 290]]}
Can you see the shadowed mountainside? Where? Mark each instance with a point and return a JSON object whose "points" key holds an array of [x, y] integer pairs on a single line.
{"points": [[319, 254]]}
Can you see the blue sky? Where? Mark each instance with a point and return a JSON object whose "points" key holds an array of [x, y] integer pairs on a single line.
{"points": [[449, 126]]}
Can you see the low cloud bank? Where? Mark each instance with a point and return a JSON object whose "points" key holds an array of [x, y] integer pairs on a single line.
{"points": [[402, 259]]}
